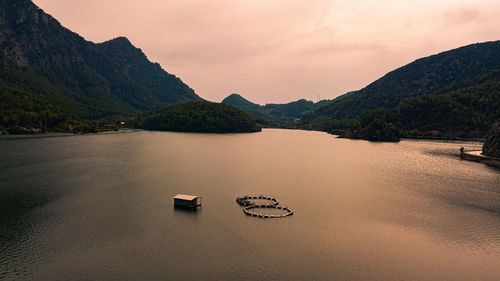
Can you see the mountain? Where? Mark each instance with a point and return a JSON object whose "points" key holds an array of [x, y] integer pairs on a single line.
{"points": [[465, 112], [253, 109], [454, 94], [201, 117], [273, 115], [438, 73], [240, 102], [50, 72]]}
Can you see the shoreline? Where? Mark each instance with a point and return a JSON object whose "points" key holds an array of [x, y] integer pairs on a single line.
{"points": [[458, 139], [64, 135], [131, 130], [477, 156]]}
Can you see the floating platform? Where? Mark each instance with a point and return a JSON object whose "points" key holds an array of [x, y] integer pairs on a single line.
{"points": [[250, 207], [187, 201], [247, 200], [250, 211]]}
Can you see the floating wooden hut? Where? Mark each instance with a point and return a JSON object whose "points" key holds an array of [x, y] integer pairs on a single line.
{"points": [[187, 201]]}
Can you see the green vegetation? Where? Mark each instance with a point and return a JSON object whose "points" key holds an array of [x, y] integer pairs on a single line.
{"points": [[463, 113], [274, 115], [439, 73], [201, 117], [492, 143], [452, 95], [53, 79], [375, 125]]}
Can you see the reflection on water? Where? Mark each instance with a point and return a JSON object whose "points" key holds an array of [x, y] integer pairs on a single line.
{"points": [[101, 208]]}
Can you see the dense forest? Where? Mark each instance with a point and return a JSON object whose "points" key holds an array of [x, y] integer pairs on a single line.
{"points": [[274, 115], [452, 95], [50, 76], [491, 145], [463, 113], [51, 79], [200, 117]]}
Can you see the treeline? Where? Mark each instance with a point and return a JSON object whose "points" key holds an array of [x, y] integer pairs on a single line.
{"points": [[200, 116], [274, 115], [465, 113], [23, 113]]}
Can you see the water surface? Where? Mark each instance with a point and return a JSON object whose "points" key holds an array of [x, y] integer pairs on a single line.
{"points": [[100, 208]]}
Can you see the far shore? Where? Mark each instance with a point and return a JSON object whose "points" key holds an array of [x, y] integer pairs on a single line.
{"points": [[60, 135], [131, 130]]}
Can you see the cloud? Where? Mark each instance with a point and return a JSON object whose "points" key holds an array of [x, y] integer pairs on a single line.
{"points": [[463, 15]]}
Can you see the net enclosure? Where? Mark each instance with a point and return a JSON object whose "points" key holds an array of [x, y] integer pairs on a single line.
{"points": [[263, 206]]}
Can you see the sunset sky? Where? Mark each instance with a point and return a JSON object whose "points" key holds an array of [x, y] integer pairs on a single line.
{"points": [[282, 50]]}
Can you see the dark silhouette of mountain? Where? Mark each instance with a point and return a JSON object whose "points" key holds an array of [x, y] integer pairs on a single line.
{"points": [[240, 102], [273, 115], [438, 73], [454, 94], [49, 72], [201, 117]]}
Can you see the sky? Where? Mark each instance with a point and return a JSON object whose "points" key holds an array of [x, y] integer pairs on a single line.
{"points": [[275, 51]]}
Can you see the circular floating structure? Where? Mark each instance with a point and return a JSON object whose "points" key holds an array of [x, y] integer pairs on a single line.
{"points": [[251, 210], [248, 200]]}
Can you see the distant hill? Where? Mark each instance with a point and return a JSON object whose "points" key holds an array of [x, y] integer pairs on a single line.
{"points": [[280, 115], [454, 94], [438, 73], [465, 112], [49, 73], [202, 117], [240, 102]]}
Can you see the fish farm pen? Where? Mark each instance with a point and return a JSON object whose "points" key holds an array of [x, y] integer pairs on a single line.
{"points": [[263, 210]]}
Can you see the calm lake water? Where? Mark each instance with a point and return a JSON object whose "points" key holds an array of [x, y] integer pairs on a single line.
{"points": [[100, 208]]}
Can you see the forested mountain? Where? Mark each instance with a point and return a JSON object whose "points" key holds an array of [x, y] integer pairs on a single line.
{"points": [[49, 73], [240, 102], [454, 94], [438, 73], [201, 117], [274, 114]]}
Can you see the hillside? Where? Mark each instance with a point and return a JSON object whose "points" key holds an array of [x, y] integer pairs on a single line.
{"points": [[240, 102], [200, 117], [49, 73], [274, 115], [455, 94], [438, 73]]}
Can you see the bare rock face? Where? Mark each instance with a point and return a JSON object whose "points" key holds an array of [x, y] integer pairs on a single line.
{"points": [[491, 145]]}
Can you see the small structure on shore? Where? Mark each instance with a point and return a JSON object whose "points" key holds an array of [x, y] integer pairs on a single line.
{"points": [[478, 156], [187, 201]]}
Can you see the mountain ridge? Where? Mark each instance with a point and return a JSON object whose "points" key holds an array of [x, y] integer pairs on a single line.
{"points": [[438, 72], [273, 114], [44, 63], [454, 94]]}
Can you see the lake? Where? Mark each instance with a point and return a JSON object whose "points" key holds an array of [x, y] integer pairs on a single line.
{"points": [[100, 207]]}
